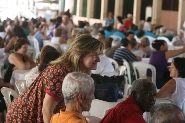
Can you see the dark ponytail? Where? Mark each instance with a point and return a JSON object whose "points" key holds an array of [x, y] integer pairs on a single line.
{"points": [[156, 44], [58, 21]]}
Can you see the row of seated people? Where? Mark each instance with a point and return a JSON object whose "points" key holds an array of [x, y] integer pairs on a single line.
{"points": [[48, 83]]}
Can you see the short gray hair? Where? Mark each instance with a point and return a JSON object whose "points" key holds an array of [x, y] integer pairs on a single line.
{"points": [[146, 41], [164, 113], [140, 84], [76, 83], [116, 43]]}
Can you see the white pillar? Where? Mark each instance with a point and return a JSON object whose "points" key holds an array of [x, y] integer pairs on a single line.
{"points": [[90, 9], [118, 10], [79, 8], [156, 12], [181, 15], [104, 8], [136, 11], [61, 5]]}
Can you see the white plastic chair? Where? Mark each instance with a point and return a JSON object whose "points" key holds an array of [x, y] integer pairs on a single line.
{"points": [[31, 52], [128, 78], [6, 93], [21, 86], [166, 39], [99, 107], [115, 37], [140, 53], [64, 48], [137, 39], [114, 63], [142, 67], [35, 43]]}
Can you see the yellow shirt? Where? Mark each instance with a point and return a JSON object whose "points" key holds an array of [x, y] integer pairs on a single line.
{"points": [[68, 117]]}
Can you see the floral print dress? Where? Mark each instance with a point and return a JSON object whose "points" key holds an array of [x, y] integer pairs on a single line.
{"points": [[27, 108]]}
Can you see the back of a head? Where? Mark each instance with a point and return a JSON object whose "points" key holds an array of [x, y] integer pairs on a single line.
{"points": [[18, 31], [47, 54], [120, 19], [149, 19], [166, 113], [75, 32], [141, 34], [141, 84], [125, 42], [25, 24], [2, 28], [133, 42], [129, 33], [1, 43], [76, 83], [108, 42], [145, 41], [156, 44], [58, 32], [109, 28]]}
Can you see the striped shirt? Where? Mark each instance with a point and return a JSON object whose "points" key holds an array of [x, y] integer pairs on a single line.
{"points": [[123, 53]]}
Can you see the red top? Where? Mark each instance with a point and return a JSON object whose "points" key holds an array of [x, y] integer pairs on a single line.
{"points": [[124, 112], [27, 107], [127, 24]]}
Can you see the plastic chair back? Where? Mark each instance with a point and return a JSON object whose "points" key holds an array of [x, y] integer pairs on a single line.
{"points": [[31, 52], [6, 93], [166, 39], [115, 37], [21, 86], [45, 43], [114, 63], [141, 68], [128, 72], [64, 47], [92, 119], [140, 53]]}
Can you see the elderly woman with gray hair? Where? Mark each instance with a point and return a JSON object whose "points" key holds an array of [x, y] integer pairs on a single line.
{"points": [[78, 91], [145, 46]]}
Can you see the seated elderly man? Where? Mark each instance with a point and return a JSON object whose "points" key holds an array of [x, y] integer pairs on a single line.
{"points": [[166, 113], [179, 40], [141, 99], [78, 92]]}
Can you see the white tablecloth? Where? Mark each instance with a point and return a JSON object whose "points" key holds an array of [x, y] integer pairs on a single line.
{"points": [[17, 75]]}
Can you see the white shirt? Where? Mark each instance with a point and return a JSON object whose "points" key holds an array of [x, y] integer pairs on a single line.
{"points": [[147, 26], [179, 95], [2, 34], [68, 28], [103, 66], [176, 38], [55, 40]]}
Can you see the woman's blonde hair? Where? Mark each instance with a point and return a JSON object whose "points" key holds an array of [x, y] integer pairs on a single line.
{"points": [[81, 46]]}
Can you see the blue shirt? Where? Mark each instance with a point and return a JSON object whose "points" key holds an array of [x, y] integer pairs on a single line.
{"points": [[107, 33]]}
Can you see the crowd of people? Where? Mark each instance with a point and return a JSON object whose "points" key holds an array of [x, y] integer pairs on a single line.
{"points": [[59, 86]]}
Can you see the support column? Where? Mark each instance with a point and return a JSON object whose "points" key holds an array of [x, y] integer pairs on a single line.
{"points": [[156, 12], [137, 11], [90, 9], [181, 15], [61, 5], [118, 10], [79, 8], [104, 8]]}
